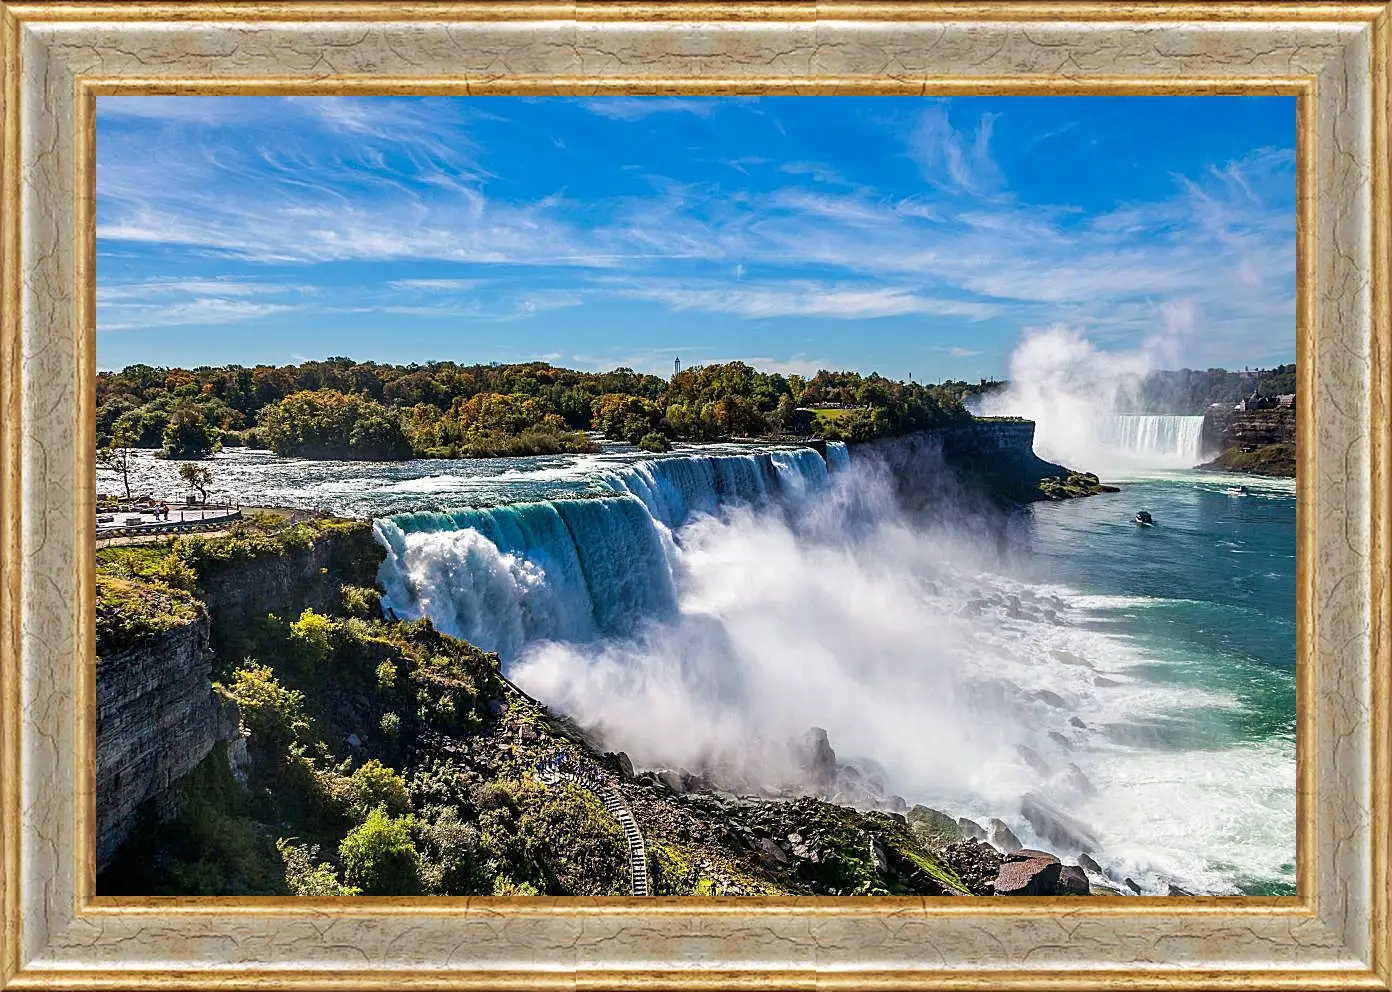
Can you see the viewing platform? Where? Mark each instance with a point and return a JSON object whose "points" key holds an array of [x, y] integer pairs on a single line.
{"points": [[143, 520]]}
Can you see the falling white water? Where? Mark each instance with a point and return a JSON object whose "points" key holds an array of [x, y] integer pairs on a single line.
{"points": [[716, 606]]}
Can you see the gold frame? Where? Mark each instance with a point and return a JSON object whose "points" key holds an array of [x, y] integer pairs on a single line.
{"points": [[19, 505]]}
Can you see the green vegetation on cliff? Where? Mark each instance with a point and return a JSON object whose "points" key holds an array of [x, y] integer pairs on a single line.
{"points": [[385, 757], [1270, 459]]}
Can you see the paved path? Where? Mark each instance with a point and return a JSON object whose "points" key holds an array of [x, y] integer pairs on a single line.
{"points": [[143, 523], [550, 773]]}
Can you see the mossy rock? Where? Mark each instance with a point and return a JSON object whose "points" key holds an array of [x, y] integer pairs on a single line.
{"points": [[933, 828]]}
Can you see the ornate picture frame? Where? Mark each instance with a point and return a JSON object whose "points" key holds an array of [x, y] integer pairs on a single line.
{"points": [[57, 58]]}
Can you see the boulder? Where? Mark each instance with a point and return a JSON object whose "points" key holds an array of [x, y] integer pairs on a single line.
{"points": [[1052, 698], [1032, 758], [1060, 740], [772, 852], [1175, 890], [933, 829], [1073, 881], [1028, 878], [1131, 885], [1086, 861], [1104, 682], [671, 779], [1056, 826], [1079, 782], [1030, 854], [971, 830], [1002, 838], [1073, 721]]}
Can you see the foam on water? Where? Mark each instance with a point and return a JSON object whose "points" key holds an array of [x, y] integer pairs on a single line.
{"points": [[716, 606]]}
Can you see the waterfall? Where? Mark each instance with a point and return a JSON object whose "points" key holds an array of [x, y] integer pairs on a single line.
{"points": [[574, 569], [838, 456], [1154, 440]]}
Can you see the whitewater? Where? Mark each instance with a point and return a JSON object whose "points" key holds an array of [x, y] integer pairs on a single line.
{"points": [[698, 610]]}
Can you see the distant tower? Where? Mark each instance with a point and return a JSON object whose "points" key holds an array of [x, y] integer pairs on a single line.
{"points": [[676, 368]]}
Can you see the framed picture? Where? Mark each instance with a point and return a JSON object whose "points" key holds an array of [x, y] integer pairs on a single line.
{"points": [[695, 495]]}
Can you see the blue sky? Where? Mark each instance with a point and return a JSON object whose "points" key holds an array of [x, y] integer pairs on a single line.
{"points": [[896, 234]]}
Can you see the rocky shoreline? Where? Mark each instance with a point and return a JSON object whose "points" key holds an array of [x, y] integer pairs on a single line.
{"points": [[800, 833]]}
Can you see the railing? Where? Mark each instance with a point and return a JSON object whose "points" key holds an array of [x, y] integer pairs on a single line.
{"points": [[556, 770], [223, 514]]}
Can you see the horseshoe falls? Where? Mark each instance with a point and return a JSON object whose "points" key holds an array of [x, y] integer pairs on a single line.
{"points": [[1154, 441]]}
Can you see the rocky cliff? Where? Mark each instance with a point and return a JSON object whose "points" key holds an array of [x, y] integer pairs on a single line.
{"points": [[1257, 441], [157, 718], [991, 459]]}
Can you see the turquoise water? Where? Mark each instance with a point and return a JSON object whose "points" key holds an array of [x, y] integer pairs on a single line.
{"points": [[1207, 598]]}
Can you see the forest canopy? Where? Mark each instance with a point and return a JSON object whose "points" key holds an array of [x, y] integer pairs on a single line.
{"points": [[339, 408]]}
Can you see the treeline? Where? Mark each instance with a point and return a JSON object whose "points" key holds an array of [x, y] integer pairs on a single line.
{"points": [[339, 408], [1191, 391]]}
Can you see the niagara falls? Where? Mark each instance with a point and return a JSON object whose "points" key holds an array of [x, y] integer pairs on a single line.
{"points": [[726, 496]]}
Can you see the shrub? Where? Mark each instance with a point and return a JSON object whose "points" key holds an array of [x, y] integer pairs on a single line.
{"points": [[390, 726], [361, 601], [271, 713], [504, 886], [312, 633], [453, 864], [174, 572], [655, 442], [305, 877], [379, 857], [376, 785], [386, 675]]}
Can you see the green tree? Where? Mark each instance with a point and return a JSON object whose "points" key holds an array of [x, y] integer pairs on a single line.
{"points": [[380, 858], [198, 478], [116, 456], [188, 434]]}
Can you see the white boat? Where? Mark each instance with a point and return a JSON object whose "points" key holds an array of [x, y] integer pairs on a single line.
{"points": [[1237, 491]]}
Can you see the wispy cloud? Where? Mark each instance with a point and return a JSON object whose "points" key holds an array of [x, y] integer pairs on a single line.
{"points": [[799, 298], [952, 158], [638, 107], [309, 184]]}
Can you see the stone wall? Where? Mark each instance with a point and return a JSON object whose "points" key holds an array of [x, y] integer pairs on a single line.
{"points": [[157, 718]]}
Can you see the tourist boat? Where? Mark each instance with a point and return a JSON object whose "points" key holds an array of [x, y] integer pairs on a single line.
{"points": [[1237, 491], [1144, 519]]}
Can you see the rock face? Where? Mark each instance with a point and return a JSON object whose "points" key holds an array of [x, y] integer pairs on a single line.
{"points": [[242, 593], [157, 718], [817, 759], [994, 457], [1256, 441]]}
